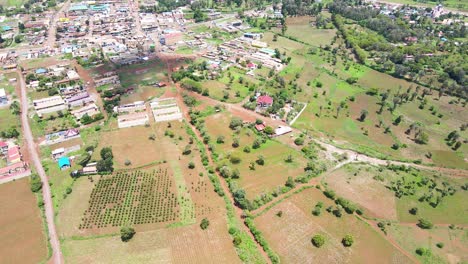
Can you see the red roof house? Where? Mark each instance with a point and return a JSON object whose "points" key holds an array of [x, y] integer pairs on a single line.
{"points": [[260, 127], [264, 101], [3, 147], [14, 155]]}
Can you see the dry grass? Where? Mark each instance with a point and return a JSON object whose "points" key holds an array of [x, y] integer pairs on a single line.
{"points": [[290, 235]]}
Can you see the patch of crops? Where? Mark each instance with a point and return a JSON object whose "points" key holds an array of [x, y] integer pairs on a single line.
{"points": [[131, 198]]}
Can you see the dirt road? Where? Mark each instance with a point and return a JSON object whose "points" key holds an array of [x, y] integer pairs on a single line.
{"points": [[34, 157]]}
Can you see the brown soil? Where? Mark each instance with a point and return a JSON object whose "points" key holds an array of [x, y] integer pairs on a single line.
{"points": [[21, 225]]}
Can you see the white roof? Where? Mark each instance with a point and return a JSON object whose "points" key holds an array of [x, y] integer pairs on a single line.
{"points": [[281, 130], [58, 151], [2, 92]]}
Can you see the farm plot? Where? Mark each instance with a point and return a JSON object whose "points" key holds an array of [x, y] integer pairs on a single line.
{"points": [[264, 178], [446, 245], [131, 198], [356, 183], [302, 29], [290, 234], [21, 225]]}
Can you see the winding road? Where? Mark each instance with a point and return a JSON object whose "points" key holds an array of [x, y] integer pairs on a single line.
{"points": [[34, 156]]}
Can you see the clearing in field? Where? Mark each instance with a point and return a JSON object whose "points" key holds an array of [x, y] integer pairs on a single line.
{"points": [[290, 234], [21, 224]]}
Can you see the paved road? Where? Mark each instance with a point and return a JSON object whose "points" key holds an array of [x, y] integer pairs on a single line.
{"points": [[34, 156]]}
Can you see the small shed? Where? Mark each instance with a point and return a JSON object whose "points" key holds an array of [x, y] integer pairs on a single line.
{"points": [[64, 163]]}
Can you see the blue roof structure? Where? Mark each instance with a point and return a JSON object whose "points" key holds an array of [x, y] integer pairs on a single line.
{"points": [[64, 162], [78, 7], [6, 28], [41, 71]]}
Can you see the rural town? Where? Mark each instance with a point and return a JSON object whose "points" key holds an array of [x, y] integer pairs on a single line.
{"points": [[234, 131]]}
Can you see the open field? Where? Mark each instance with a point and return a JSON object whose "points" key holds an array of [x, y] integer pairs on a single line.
{"points": [[190, 198], [301, 29], [290, 235], [454, 242], [376, 190], [21, 224], [362, 189], [266, 178], [335, 107], [232, 92], [169, 245]]}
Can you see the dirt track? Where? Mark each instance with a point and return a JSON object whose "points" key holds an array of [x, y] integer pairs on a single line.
{"points": [[34, 157]]}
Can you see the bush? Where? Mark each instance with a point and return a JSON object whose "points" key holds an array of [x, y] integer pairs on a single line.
{"points": [[413, 211], [440, 245], [35, 183], [318, 241], [128, 162], [237, 241], [126, 233], [235, 159], [425, 224], [299, 141], [347, 240], [204, 224], [330, 194], [191, 165], [247, 149], [423, 251]]}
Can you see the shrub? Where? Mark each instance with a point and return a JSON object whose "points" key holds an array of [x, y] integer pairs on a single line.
{"points": [[204, 223], [318, 240], [347, 240], [423, 251], [440, 245], [235, 159], [35, 183], [425, 224], [299, 141], [237, 241], [330, 194], [191, 165], [128, 162], [413, 211], [126, 233]]}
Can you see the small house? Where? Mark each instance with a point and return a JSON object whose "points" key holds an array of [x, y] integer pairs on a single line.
{"points": [[58, 153], [14, 155], [264, 101], [64, 163]]}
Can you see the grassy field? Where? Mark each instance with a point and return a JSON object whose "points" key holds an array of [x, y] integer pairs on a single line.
{"points": [[21, 224], [454, 242], [450, 4], [335, 107], [290, 235], [141, 77], [381, 200], [263, 179], [235, 91], [301, 29], [167, 241], [8, 119]]}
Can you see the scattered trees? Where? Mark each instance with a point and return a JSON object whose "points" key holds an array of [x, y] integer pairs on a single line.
{"points": [[425, 224]]}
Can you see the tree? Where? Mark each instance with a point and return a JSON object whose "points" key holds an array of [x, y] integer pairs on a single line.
{"points": [[260, 160], [290, 182], [235, 143], [234, 159], [289, 159], [256, 144], [318, 240], [106, 153], [413, 211], [347, 240], [35, 183], [269, 130], [220, 139], [398, 120], [15, 108], [204, 223], [363, 116], [299, 141], [235, 123], [425, 224], [126, 233], [422, 138], [191, 165]]}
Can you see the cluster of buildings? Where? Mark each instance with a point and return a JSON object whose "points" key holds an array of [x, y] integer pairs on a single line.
{"points": [[72, 94], [130, 115], [246, 52], [12, 157]]}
